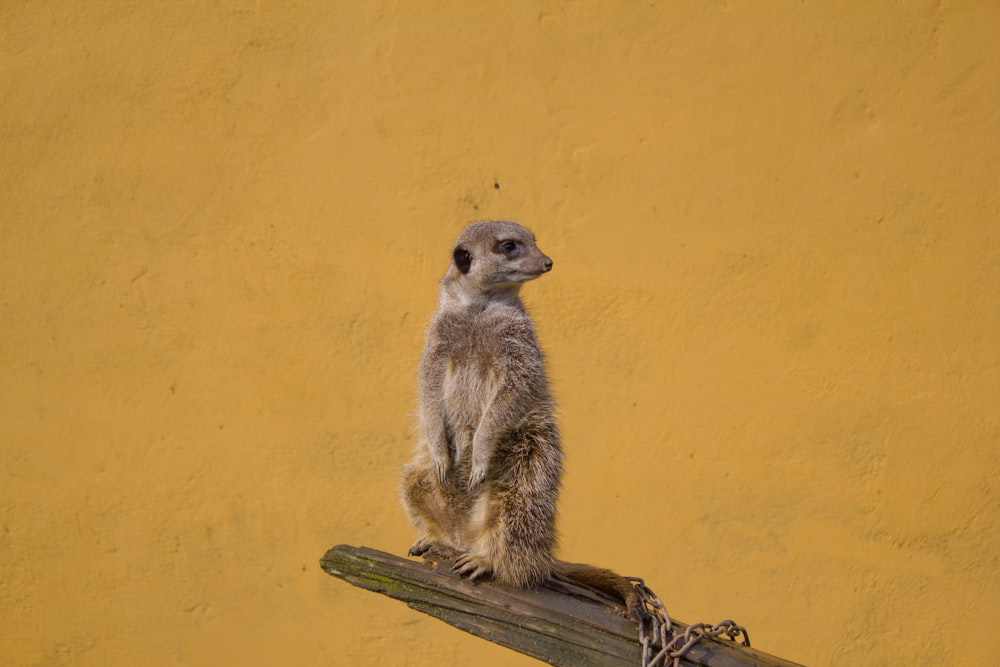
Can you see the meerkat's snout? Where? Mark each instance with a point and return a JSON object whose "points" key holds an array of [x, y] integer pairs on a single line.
{"points": [[535, 266]]}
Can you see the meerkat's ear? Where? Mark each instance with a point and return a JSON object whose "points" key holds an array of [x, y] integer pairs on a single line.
{"points": [[463, 259]]}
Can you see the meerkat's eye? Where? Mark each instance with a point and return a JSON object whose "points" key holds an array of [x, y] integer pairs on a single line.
{"points": [[506, 247]]}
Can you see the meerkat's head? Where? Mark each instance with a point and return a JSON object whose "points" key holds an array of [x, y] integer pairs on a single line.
{"points": [[495, 256]]}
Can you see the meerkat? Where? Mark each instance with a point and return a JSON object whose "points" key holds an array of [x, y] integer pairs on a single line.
{"points": [[483, 484]]}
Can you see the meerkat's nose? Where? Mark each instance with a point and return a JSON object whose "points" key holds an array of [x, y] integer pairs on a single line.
{"points": [[547, 263]]}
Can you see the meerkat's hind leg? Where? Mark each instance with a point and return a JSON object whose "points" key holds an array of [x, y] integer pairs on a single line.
{"points": [[428, 511], [420, 547], [435, 553]]}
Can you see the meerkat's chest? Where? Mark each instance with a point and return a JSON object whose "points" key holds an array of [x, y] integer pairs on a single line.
{"points": [[472, 350], [470, 382]]}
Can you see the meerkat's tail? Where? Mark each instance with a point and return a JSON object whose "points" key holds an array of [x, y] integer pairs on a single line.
{"points": [[608, 582]]}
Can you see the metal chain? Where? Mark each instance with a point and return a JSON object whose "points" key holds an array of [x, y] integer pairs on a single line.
{"points": [[657, 634]]}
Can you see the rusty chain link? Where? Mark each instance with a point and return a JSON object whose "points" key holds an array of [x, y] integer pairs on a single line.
{"points": [[659, 635]]}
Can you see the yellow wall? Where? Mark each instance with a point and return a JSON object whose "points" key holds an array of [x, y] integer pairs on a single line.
{"points": [[773, 324]]}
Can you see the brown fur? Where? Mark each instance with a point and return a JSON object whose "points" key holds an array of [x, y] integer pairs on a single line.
{"points": [[485, 477]]}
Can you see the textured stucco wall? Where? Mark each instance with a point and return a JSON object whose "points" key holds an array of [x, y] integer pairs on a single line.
{"points": [[773, 324]]}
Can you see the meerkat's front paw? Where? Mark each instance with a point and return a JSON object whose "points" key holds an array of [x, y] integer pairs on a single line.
{"points": [[471, 566], [476, 477], [441, 468]]}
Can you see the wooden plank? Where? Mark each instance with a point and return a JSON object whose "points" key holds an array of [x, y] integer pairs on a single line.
{"points": [[560, 623]]}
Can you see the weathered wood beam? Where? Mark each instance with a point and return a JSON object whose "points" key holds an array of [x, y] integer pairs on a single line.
{"points": [[561, 623]]}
